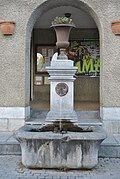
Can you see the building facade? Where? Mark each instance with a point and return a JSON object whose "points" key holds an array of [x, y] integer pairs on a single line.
{"points": [[15, 56]]}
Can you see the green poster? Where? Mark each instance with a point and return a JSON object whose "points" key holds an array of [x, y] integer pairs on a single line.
{"points": [[86, 56]]}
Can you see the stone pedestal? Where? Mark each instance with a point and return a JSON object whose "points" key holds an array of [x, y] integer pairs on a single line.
{"points": [[61, 91]]}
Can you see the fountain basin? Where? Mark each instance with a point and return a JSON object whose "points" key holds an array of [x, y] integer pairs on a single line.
{"points": [[69, 150]]}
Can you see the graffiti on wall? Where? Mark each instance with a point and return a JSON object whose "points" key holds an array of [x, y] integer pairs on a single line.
{"points": [[86, 56]]}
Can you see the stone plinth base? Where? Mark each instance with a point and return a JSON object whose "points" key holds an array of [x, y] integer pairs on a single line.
{"points": [[12, 118], [110, 117], [71, 150]]}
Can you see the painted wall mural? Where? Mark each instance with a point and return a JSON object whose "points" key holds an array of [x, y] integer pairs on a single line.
{"points": [[86, 56]]}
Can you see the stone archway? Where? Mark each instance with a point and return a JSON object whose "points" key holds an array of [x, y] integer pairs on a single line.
{"points": [[38, 11]]}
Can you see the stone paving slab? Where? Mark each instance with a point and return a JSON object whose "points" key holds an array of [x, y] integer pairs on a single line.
{"points": [[7, 138], [11, 168], [8, 144]]}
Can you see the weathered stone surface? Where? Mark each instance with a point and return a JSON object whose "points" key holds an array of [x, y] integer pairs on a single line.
{"points": [[61, 107], [75, 150], [12, 118]]}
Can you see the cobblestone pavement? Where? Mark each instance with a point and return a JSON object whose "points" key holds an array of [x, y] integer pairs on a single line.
{"points": [[11, 168]]}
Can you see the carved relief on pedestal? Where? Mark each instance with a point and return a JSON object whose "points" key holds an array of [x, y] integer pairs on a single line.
{"points": [[61, 89]]}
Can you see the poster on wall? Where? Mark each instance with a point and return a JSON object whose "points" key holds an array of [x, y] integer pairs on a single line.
{"points": [[44, 52], [50, 52], [86, 56], [38, 80]]}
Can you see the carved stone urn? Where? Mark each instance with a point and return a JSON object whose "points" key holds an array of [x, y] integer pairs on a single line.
{"points": [[116, 27], [62, 34], [7, 27]]}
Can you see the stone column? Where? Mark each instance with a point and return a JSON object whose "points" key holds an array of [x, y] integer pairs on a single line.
{"points": [[61, 91]]}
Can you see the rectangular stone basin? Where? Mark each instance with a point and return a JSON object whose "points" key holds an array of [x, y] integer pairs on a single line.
{"points": [[71, 150]]}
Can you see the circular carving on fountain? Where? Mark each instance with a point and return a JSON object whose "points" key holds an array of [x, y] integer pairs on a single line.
{"points": [[61, 89]]}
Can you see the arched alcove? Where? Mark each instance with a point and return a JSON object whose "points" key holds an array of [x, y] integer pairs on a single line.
{"points": [[40, 11]]}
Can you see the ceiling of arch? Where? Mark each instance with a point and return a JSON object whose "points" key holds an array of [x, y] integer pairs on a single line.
{"points": [[81, 18]]}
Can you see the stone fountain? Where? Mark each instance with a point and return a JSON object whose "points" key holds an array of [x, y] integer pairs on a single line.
{"points": [[60, 142]]}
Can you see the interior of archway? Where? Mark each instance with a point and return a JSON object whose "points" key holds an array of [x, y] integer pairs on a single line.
{"points": [[43, 43]]}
